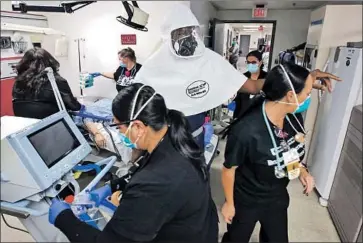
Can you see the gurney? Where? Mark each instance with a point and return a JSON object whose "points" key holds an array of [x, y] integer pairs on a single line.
{"points": [[100, 112]]}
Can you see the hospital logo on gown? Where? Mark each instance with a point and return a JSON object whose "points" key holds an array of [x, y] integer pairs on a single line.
{"points": [[197, 89]]}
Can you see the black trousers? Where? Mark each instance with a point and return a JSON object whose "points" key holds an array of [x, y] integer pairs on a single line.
{"points": [[273, 222]]}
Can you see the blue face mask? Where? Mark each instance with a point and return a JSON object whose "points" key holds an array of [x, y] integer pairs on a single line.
{"points": [[304, 105], [123, 65], [252, 68], [123, 137], [127, 141]]}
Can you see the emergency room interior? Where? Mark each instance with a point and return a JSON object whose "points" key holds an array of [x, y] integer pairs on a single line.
{"points": [[86, 36]]}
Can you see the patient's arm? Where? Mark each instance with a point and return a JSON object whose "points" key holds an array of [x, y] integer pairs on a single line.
{"points": [[99, 138]]}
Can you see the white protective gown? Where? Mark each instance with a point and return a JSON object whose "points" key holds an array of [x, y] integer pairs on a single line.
{"points": [[189, 84]]}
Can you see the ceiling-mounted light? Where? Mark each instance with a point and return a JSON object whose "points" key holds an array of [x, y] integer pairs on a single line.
{"points": [[133, 16]]}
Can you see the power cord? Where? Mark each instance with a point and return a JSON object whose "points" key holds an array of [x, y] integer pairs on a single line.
{"points": [[12, 227]]}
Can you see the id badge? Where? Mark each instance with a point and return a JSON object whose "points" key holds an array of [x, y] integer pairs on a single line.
{"points": [[292, 163]]}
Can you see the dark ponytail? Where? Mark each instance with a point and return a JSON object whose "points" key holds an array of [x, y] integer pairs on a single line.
{"points": [[183, 141], [157, 116], [275, 88]]}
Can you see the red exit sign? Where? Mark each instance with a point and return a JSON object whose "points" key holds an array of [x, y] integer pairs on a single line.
{"points": [[259, 12], [128, 39]]}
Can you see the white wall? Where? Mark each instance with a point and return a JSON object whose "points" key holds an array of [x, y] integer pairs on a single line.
{"points": [[221, 36], [204, 11], [291, 27], [98, 25], [219, 39]]}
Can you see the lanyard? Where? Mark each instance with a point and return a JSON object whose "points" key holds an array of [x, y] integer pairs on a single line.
{"points": [[278, 158]]}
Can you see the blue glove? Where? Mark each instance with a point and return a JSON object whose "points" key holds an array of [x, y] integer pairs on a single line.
{"points": [[232, 106], [56, 208], [100, 194], [95, 75], [83, 107]]}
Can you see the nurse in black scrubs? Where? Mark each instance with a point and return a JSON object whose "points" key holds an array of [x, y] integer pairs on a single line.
{"points": [[255, 72], [264, 151], [168, 198], [126, 72]]}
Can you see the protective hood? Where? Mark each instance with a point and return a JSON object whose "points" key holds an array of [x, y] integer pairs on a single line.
{"points": [[191, 84], [180, 16]]}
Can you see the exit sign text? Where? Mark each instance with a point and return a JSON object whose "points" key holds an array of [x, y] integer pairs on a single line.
{"points": [[259, 12], [128, 39]]}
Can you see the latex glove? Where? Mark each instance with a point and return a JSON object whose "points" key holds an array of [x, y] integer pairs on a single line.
{"points": [[56, 208], [100, 194], [232, 106], [95, 75], [83, 107]]}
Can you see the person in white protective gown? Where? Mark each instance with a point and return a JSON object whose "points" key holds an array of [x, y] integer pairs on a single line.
{"points": [[192, 78]]}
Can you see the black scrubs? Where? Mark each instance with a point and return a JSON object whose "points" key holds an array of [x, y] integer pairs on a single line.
{"points": [[258, 194], [124, 77], [243, 99], [166, 200]]}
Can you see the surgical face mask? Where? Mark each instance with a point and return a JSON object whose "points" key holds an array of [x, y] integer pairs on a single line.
{"points": [[253, 68], [301, 107], [123, 137], [122, 64], [187, 42], [127, 141], [304, 105]]}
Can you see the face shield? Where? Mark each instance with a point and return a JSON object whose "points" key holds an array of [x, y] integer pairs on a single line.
{"points": [[187, 42]]}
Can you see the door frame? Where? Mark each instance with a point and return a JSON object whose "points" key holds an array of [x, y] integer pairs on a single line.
{"points": [[215, 21]]}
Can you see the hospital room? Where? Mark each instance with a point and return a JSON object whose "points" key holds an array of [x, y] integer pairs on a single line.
{"points": [[250, 112]]}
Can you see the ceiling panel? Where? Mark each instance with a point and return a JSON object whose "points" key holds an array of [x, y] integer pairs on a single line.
{"points": [[274, 4]]}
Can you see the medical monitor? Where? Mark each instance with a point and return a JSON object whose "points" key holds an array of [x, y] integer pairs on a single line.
{"points": [[54, 142], [36, 156]]}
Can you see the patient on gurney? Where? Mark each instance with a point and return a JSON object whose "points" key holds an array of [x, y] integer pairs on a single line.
{"points": [[96, 118]]}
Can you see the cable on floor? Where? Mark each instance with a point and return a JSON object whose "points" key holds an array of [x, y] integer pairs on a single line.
{"points": [[12, 227]]}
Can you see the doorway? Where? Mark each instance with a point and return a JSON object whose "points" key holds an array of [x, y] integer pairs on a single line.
{"points": [[244, 44], [250, 35]]}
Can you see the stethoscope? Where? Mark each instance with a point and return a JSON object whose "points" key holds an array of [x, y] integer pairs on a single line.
{"points": [[280, 165]]}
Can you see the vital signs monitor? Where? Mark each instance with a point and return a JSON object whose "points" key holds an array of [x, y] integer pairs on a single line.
{"points": [[36, 156]]}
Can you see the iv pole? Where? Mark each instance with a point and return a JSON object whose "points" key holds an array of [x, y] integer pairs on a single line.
{"points": [[79, 59]]}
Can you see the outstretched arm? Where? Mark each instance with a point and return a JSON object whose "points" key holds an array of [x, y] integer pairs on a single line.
{"points": [[255, 86]]}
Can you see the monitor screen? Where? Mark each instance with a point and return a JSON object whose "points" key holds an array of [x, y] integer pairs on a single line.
{"points": [[54, 142]]}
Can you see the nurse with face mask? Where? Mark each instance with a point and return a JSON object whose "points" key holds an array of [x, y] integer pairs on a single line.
{"points": [[167, 196], [254, 72], [127, 70], [265, 150]]}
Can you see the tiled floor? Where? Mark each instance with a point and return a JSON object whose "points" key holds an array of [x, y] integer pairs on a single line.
{"points": [[308, 221]]}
